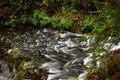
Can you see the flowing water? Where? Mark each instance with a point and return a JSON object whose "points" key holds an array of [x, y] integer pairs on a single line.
{"points": [[60, 55]]}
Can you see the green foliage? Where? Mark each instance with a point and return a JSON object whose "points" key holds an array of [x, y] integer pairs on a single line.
{"points": [[61, 23], [106, 27], [108, 24], [56, 22], [87, 25], [46, 21], [73, 4], [24, 11], [76, 4], [28, 5], [16, 3], [25, 4], [23, 19], [11, 22], [41, 18], [64, 24], [14, 20]]}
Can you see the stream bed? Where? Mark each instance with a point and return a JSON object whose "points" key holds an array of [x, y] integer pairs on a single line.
{"points": [[49, 54]]}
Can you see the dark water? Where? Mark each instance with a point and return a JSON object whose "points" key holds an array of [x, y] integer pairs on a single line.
{"points": [[58, 56]]}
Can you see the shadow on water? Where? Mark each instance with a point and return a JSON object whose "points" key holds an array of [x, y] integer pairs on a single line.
{"points": [[40, 54]]}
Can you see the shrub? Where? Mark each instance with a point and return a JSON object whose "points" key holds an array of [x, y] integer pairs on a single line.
{"points": [[88, 23], [40, 18], [56, 22], [60, 23]]}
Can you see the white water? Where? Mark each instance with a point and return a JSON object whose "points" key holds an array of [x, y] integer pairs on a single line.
{"points": [[60, 53]]}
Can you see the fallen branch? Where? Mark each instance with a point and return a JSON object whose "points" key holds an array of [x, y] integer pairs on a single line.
{"points": [[93, 12]]}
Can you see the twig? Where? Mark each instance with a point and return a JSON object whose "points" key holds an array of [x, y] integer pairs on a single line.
{"points": [[18, 8], [94, 12]]}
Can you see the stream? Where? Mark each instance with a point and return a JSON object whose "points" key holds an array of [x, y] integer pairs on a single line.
{"points": [[56, 55]]}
